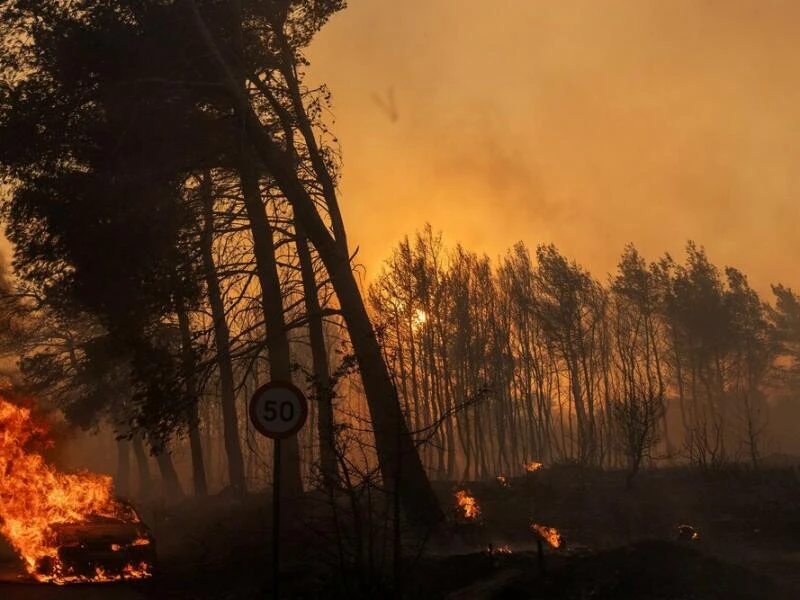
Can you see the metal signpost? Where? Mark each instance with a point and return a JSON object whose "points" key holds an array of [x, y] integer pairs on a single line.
{"points": [[278, 410]]}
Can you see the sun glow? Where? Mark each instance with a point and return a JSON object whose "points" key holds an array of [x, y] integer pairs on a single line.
{"points": [[419, 318]]}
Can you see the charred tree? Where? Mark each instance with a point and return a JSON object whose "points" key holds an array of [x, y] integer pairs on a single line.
{"points": [[192, 398], [277, 340], [230, 421], [322, 384], [393, 441], [169, 476], [143, 467], [123, 482]]}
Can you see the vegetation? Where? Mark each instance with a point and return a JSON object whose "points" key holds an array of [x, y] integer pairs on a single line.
{"points": [[666, 362], [161, 174], [169, 183], [173, 203]]}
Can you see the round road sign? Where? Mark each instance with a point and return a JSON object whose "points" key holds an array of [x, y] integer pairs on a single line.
{"points": [[278, 409]]}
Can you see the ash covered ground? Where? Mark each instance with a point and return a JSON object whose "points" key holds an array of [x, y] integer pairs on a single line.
{"points": [[619, 543]]}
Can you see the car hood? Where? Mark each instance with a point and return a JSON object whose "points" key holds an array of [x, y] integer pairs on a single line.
{"points": [[116, 532]]}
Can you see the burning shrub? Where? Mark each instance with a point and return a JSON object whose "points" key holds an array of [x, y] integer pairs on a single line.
{"points": [[499, 550], [550, 535], [533, 466], [467, 505]]}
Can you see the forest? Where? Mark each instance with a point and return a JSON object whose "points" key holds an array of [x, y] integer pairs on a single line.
{"points": [[170, 189], [664, 362]]}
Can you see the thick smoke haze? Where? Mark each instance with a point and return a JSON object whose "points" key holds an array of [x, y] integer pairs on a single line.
{"points": [[589, 124]]}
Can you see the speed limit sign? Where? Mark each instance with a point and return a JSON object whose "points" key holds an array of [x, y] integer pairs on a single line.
{"points": [[278, 409]]}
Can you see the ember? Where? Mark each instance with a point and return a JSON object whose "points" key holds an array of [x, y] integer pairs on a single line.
{"points": [[38, 503], [503, 481], [533, 466], [467, 505], [495, 550], [688, 533], [548, 534]]}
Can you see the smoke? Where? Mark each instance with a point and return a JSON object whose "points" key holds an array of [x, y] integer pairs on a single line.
{"points": [[586, 124]]}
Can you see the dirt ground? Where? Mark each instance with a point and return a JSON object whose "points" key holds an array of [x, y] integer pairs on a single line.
{"points": [[619, 543]]}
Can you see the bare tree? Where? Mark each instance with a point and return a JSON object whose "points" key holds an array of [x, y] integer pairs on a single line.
{"points": [[394, 444]]}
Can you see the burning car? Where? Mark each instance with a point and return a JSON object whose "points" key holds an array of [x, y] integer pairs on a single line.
{"points": [[66, 527], [100, 548]]}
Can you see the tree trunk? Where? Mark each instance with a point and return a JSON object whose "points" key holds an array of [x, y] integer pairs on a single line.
{"points": [[230, 420], [323, 391], [172, 487], [198, 463], [392, 438], [280, 367], [143, 467], [414, 486], [123, 467], [196, 447]]}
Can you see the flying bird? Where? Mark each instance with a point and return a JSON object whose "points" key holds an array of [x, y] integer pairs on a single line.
{"points": [[387, 105]]}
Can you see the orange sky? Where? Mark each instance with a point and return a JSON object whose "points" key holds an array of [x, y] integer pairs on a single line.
{"points": [[589, 124]]}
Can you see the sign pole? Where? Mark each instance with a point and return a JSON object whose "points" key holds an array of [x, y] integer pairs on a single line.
{"points": [[278, 410], [276, 517]]}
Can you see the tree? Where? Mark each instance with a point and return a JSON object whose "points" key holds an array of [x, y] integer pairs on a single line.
{"points": [[750, 358], [322, 382], [785, 319], [233, 448], [400, 464], [638, 402], [569, 305], [200, 84], [124, 265], [701, 323]]}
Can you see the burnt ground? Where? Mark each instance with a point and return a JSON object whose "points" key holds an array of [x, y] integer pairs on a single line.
{"points": [[620, 544]]}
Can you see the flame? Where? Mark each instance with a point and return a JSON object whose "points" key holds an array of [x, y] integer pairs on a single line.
{"points": [[533, 466], [34, 496], [502, 550], [687, 531], [467, 504], [503, 481], [141, 542], [548, 534], [129, 571]]}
